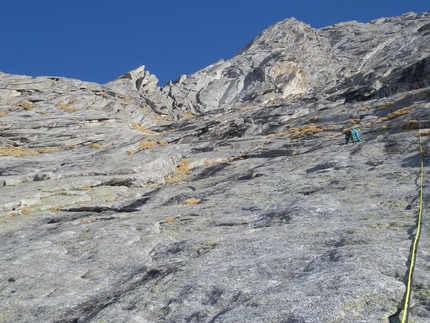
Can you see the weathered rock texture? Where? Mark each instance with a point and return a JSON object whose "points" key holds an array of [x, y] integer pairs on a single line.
{"points": [[227, 196]]}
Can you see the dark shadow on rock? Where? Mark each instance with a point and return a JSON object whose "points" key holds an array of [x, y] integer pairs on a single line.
{"points": [[321, 166], [251, 209], [401, 79], [176, 248], [224, 311], [90, 308], [308, 192], [357, 148], [68, 218], [395, 317], [270, 153], [229, 222], [392, 147], [273, 219], [176, 200], [412, 161], [213, 297], [101, 209], [334, 255], [197, 317], [137, 204], [202, 150], [236, 300], [209, 171]]}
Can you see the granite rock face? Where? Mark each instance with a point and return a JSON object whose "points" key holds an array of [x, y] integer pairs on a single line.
{"points": [[228, 195], [291, 59]]}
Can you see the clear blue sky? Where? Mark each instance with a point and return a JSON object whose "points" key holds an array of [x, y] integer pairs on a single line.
{"points": [[99, 40]]}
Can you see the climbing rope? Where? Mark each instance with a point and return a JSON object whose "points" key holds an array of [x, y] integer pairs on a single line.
{"points": [[415, 244]]}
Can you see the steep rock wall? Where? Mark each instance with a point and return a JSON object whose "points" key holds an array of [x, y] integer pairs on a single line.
{"points": [[229, 195]]}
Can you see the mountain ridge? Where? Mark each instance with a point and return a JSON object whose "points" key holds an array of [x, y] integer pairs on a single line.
{"points": [[225, 83]]}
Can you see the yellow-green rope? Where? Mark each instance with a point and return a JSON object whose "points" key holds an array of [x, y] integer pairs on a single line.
{"points": [[415, 244]]}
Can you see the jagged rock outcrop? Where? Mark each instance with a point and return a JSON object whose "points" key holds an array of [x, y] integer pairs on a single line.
{"points": [[228, 195], [292, 59]]}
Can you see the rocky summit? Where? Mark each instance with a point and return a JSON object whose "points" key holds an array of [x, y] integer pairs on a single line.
{"points": [[228, 195]]}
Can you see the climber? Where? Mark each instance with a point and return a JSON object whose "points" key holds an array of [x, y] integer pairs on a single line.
{"points": [[348, 136], [356, 131], [351, 134]]}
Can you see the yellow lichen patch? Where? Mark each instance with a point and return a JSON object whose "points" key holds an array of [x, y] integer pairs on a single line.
{"points": [[144, 130], [26, 210], [27, 105], [96, 145], [67, 108], [385, 105], [48, 150], [180, 171], [115, 198], [353, 121], [186, 114], [209, 162], [146, 144], [17, 151], [366, 108], [305, 130], [156, 118], [150, 143], [393, 115], [370, 122], [55, 208], [192, 201], [11, 215], [398, 113], [412, 124], [282, 133], [425, 132], [100, 93], [183, 167], [336, 135], [170, 180], [302, 131]]}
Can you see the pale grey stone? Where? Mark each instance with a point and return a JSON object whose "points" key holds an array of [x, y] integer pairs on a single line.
{"points": [[195, 202], [5, 95]]}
